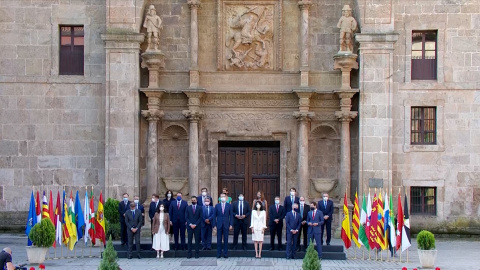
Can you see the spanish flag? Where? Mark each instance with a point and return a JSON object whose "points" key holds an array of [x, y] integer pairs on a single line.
{"points": [[100, 223], [356, 222], [346, 225]]}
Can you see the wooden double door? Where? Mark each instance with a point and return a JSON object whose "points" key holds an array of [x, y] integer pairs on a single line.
{"points": [[249, 167]]}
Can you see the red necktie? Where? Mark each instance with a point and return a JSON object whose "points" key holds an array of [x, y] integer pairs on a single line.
{"points": [[277, 208], [194, 209], [178, 205], [313, 215], [223, 209]]}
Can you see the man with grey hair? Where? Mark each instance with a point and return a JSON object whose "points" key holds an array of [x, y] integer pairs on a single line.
{"points": [[6, 259]]}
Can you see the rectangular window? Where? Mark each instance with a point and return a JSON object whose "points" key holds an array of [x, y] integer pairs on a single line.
{"points": [[424, 55], [423, 200], [423, 126], [71, 50]]}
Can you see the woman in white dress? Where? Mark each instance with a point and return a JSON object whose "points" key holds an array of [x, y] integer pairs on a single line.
{"points": [[160, 229], [258, 226]]}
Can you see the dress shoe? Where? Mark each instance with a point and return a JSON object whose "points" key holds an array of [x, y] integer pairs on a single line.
{"points": [[138, 256], [288, 258], [271, 249], [244, 248], [196, 256], [280, 248], [328, 244], [218, 257], [293, 258], [225, 256], [235, 248], [189, 256], [129, 257]]}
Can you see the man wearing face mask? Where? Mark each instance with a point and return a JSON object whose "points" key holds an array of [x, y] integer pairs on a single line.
{"points": [[223, 221], [193, 217], [290, 200], [204, 195], [293, 222], [133, 220], [153, 208], [177, 220], [277, 214], [326, 206], [314, 222], [123, 206], [303, 211], [140, 207], [207, 220], [241, 213]]}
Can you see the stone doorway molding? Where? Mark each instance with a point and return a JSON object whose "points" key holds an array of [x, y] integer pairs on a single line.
{"points": [[214, 136]]}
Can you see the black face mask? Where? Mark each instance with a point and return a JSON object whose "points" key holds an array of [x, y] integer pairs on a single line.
{"points": [[194, 203]]}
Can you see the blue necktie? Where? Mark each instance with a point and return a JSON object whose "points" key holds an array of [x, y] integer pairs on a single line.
{"points": [[133, 214]]}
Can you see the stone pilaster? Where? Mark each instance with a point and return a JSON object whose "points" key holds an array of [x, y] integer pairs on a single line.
{"points": [[345, 62], [194, 115], [194, 5], [122, 124], [304, 6], [153, 115]]}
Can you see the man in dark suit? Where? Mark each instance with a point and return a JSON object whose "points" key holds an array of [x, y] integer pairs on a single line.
{"points": [[152, 208], [140, 207], [290, 200], [293, 221], [201, 198], [303, 211], [326, 206], [193, 217], [177, 220], [123, 206], [207, 221], [241, 216], [133, 220], [223, 221], [315, 221], [276, 214]]}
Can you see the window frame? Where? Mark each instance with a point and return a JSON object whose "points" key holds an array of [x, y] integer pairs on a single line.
{"points": [[422, 131], [420, 67], [423, 211], [71, 71]]}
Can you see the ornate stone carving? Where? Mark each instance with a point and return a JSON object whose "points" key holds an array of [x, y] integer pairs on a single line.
{"points": [[347, 25], [304, 4], [250, 34], [193, 4], [303, 116], [193, 115], [345, 116], [324, 131], [175, 132], [152, 115], [153, 23], [255, 101], [248, 116]]}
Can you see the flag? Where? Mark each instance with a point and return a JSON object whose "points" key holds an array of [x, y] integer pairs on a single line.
{"points": [[45, 211], [73, 223], [399, 223], [51, 213], [100, 222], [380, 226], [406, 242], [58, 221], [391, 227], [32, 218], [346, 225], [91, 217], [38, 208], [86, 216], [363, 223], [66, 221], [356, 222], [79, 218], [372, 241]]}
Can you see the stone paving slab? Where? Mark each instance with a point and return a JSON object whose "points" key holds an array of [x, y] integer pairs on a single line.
{"points": [[199, 263]]}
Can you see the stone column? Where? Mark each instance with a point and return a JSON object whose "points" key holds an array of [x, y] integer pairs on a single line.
{"points": [[153, 115], [194, 73], [303, 116], [194, 115], [304, 6]]}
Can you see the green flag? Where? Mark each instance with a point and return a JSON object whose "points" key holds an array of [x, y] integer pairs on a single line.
{"points": [[363, 222]]}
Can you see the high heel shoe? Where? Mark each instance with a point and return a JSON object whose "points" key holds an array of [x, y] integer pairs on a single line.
{"points": [[158, 256], [161, 256]]}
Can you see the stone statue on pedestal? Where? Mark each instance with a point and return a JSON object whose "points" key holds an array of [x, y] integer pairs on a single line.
{"points": [[347, 25], [153, 23]]}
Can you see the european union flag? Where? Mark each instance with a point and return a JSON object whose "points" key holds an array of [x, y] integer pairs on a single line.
{"points": [[32, 218]]}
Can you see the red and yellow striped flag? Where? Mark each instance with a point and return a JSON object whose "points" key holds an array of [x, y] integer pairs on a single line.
{"points": [[356, 222], [45, 212], [346, 225], [380, 233]]}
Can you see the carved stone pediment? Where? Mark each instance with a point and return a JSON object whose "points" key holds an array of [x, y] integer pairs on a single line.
{"points": [[249, 35]]}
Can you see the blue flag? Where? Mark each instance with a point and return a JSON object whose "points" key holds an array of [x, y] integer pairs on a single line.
{"points": [[32, 218], [79, 217]]}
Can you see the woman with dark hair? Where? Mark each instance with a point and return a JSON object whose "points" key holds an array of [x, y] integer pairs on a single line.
{"points": [[261, 198], [258, 226], [160, 229], [168, 199]]}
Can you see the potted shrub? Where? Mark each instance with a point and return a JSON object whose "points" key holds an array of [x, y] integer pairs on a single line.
{"points": [[426, 249], [311, 261], [109, 257], [42, 236]]}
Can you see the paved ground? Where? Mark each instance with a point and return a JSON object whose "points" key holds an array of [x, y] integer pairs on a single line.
{"points": [[453, 254]]}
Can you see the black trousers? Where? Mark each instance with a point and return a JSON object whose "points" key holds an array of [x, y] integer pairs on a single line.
{"points": [[328, 224], [123, 232], [240, 226], [303, 230], [276, 229], [132, 236], [191, 234]]}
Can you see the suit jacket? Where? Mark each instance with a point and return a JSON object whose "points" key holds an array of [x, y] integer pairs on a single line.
{"points": [[153, 208], [208, 214], [236, 211], [133, 221], [272, 213], [225, 219], [293, 223], [288, 203], [121, 210], [318, 219], [306, 209], [177, 214], [328, 211], [200, 200], [156, 223], [192, 218], [142, 210]]}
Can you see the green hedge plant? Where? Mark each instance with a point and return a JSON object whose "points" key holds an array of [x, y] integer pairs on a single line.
{"points": [[109, 258], [311, 261], [43, 234], [425, 240], [111, 210]]}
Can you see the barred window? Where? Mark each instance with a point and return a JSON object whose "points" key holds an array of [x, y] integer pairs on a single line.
{"points": [[423, 125], [424, 55], [423, 200], [71, 50]]}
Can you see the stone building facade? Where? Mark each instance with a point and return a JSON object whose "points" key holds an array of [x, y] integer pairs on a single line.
{"points": [[249, 95]]}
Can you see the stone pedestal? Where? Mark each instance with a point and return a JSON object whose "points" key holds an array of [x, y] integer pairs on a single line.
{"points": [[345, 61], [154, 61]]}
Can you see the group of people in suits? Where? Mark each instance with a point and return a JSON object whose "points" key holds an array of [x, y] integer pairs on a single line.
{"points": [[174, 215]]}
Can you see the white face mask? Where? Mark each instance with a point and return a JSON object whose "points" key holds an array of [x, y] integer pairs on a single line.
{"points": [[223, 199], [169, 195], [207, 203], [259, 206], [277, 201], [161, 208], [153, 200], [302, 202], [292, 193], [204, 193], [240, 198], [325, 198], [135, 201]]}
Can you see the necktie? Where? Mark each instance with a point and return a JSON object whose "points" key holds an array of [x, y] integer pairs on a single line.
{"points": [[301, 210], [325, 203], [294, 215], [313, 215], [156, 204], [223, 208], [194, 209], [208, 211], [241, 209], [133, 213], [291, 197], [277, 208]]}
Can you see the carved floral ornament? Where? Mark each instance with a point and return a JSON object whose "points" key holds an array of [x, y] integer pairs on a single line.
{"points": [[193, 3], [152, 115]]}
